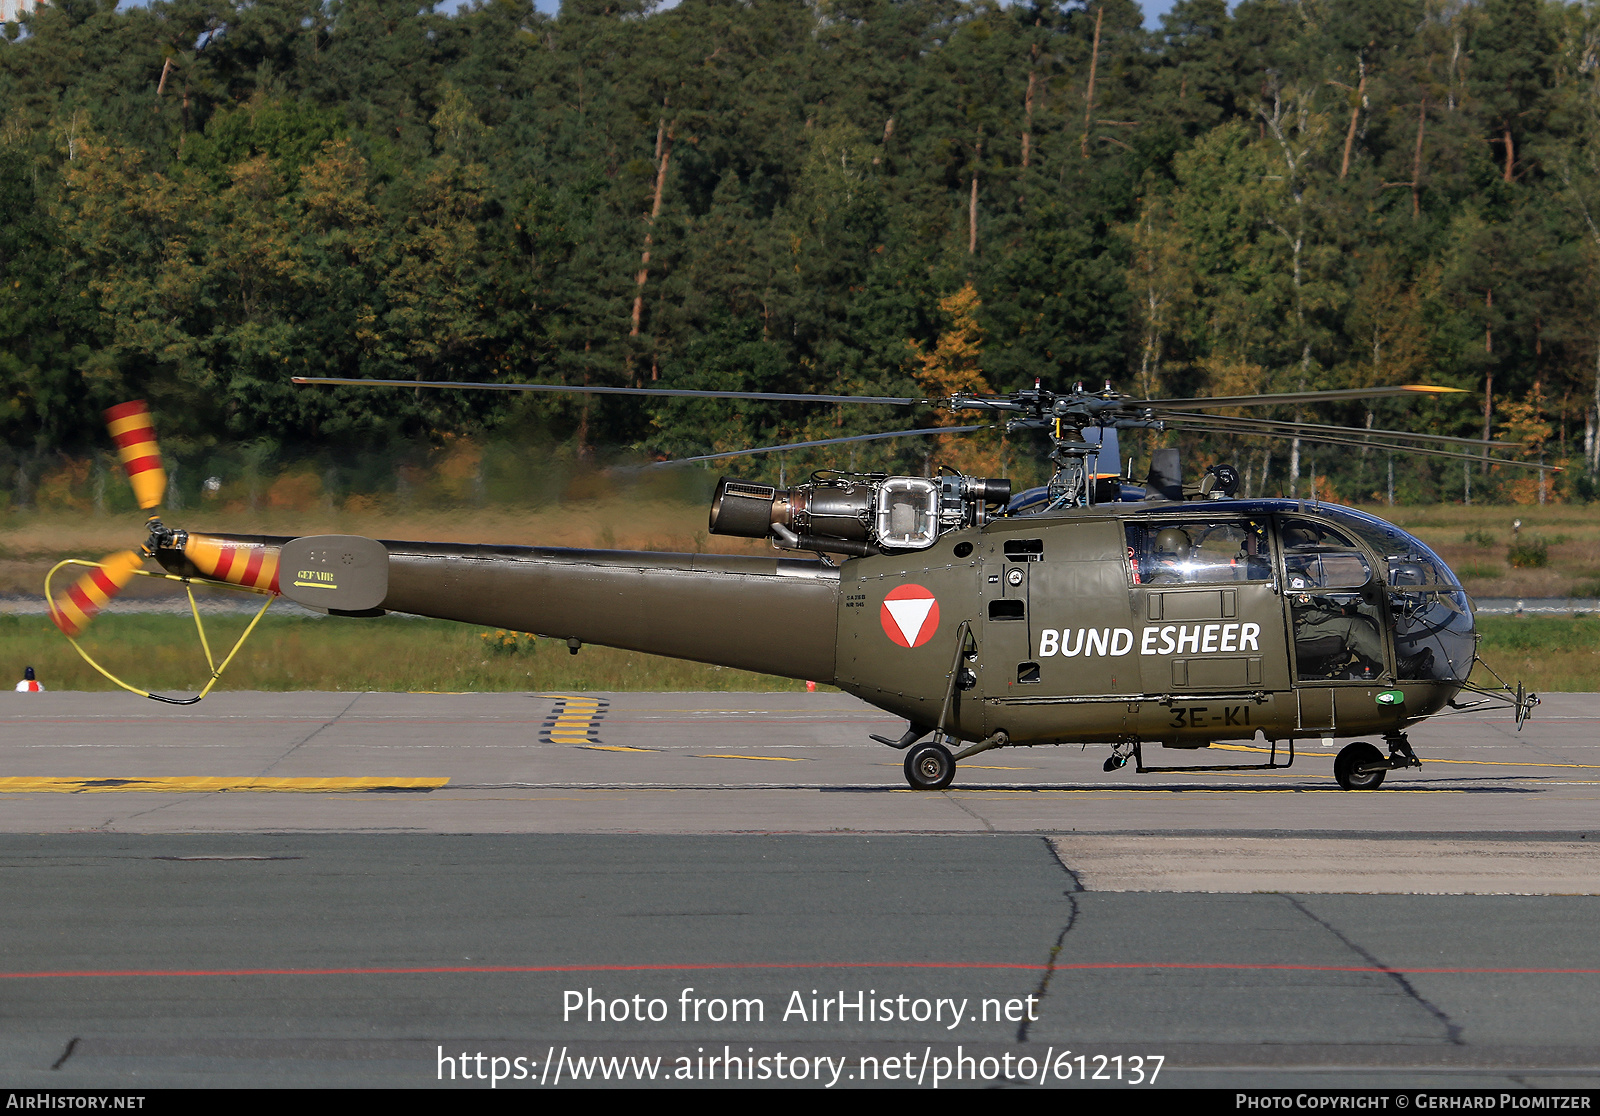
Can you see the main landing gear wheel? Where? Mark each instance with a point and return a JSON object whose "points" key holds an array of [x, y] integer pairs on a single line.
{"points": [[1350, 759], [930, 767]]}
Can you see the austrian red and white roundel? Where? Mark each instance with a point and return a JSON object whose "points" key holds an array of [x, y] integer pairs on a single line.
{"points": [[910, 615]]}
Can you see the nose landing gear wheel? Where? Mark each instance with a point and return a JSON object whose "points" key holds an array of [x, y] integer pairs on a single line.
{"points": [[1350, 759], [930, 767]]}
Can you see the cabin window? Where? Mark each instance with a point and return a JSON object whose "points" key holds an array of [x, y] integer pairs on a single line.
{"points": [[1027, 672], [1190, 551], [1025, 550]]}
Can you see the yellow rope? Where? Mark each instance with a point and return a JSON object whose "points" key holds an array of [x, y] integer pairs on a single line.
{"points": [[194, 607]]}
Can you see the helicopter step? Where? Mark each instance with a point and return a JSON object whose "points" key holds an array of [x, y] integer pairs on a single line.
{"points": [[914, 732]]}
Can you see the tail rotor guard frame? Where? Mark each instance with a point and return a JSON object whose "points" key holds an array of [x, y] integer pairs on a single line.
{"points": [[194, 608]]}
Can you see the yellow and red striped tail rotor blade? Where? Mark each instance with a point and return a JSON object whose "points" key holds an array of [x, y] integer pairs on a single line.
{"points": [[247, 564], [93, 591], [135, 434]]}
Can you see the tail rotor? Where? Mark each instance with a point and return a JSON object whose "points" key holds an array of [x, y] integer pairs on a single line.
{"points": [[220, 561], [134, 433]]}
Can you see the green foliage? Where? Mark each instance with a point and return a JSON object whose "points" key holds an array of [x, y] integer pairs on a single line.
{"points": [[1546, 654], [289, 133], [1531, 553], [1483, 540], [198, 202]]}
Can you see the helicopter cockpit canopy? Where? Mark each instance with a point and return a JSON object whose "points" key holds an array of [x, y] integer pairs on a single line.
{"points": [[1434, 634], [1408, 561]]}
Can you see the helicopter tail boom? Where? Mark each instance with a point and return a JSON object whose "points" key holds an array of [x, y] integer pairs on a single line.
{"points": [[770, 615]]}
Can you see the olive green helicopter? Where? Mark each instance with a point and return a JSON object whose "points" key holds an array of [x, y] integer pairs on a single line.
{"points": [[1091, 610]]}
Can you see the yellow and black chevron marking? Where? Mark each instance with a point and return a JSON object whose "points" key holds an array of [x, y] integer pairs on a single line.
{"points": [[573, 720]]}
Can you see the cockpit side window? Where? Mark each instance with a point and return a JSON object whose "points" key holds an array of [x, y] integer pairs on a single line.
{"points": [[1315, 556], [1338, 630], [1196, 551]]}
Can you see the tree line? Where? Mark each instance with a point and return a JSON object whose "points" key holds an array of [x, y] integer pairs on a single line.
{"points": [[203, 198]]}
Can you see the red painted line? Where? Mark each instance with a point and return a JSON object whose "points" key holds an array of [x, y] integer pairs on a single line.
{"points": [[1027, 966], [144, 464], [225, 558]]}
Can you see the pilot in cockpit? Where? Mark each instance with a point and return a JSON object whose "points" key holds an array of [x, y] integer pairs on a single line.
{"points": [[1331, 621], [1169, 562]]}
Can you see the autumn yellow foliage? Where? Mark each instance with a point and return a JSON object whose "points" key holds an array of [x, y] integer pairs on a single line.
{"points": [[1523, 421], [956, 365]]}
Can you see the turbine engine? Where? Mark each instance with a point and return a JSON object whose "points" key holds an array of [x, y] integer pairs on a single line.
{"points": [[857, 515]]}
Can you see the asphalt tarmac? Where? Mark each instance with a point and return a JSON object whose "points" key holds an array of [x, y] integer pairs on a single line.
{"points": [[335, 889], [713, 763]]}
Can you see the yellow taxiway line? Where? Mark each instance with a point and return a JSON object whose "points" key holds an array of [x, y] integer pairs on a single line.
{"points": [[769, 759], [1154, 789], [210, 784], [1476, 763]]}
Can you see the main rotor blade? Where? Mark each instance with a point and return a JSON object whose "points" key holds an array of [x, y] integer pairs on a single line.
{"points": [[1419, 451], [1308, 428], [675, 393], [1293, 397], [818, 442]]}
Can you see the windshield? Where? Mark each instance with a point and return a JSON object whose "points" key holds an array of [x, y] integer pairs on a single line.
{"points": [[1434, 635], [1409, 563]]}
